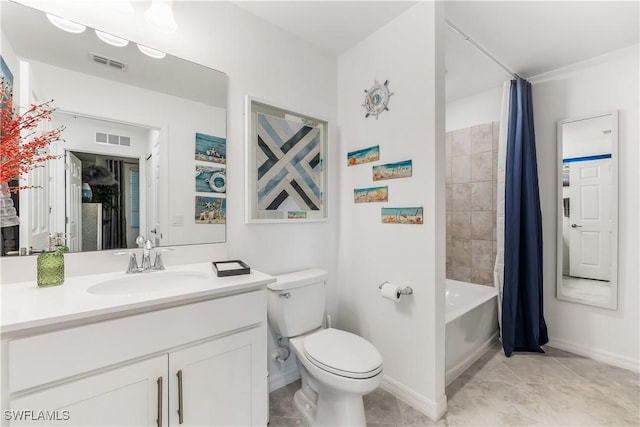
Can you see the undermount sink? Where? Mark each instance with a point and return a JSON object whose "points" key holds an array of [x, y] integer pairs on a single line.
{"points": [[148, 282]]}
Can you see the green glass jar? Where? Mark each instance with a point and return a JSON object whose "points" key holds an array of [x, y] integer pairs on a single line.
{"points": [[51, 267]]}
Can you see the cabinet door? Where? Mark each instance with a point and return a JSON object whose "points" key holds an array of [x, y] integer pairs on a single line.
{"points": [[131, 395], [222, 382]]}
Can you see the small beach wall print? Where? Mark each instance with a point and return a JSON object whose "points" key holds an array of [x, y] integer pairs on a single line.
{"points": [[211, 210], [366, 155], [392, 170], [211, 148], [297, 214], [371, 195], [210, 179], [402, 215]]}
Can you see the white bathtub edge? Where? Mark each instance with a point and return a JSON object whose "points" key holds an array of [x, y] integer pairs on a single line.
{"points": [[457, 370], [430, 408], [481, 294]]}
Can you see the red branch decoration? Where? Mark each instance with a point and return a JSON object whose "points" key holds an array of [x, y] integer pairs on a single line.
{"points": [[21, 149]]}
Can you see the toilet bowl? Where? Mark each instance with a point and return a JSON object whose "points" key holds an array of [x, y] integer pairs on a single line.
{"points": [[336, 367]]}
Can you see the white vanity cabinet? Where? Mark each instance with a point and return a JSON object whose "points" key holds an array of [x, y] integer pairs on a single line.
{"points": [[216, 387], [123, 396], [198, 363]]}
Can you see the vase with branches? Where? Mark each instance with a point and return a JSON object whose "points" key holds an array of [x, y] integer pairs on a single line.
{"points": [[23, 146]]}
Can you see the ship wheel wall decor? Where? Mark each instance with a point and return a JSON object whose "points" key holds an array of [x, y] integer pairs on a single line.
{"points": [[377, 98]]}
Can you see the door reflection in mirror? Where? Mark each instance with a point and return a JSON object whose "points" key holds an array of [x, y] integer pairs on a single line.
{"points": [[104, 172], [587, 226]]}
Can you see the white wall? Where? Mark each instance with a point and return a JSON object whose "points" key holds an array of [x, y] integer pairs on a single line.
{"points": [[410, 333], [483, 107], [601, 85], [262, 61]]}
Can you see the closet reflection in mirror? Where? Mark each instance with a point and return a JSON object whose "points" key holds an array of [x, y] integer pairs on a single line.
{"points": [[130, 140], [587, 217]]}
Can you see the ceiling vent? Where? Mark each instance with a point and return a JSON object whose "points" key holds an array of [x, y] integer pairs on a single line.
{"points": [[109, 62], [112, 139]]}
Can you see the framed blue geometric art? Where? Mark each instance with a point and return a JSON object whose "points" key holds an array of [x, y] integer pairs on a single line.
{"points": [[285, 164]]}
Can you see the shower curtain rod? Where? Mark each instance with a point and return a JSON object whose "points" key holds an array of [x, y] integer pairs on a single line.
{"points": [[480, 48]]}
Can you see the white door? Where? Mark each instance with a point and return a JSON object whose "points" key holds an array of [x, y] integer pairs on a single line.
{"points": [[35, 203], [35, 208], [73, 204], [590, 219], [132, 395], [219, 382], [152, 205]]}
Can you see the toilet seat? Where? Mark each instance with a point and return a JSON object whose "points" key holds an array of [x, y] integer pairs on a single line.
{"points": [[342, 353]]}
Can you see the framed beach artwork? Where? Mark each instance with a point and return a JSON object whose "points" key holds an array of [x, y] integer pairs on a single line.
{"points": [[285, 154], [210, 148], [392, 170], [211, 210], [7, 82], [402, 215], [210, 179], [371, 195], [365, 155]]}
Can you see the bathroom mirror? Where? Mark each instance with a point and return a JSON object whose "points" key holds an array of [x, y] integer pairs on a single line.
{"points": [[588, 210], [145, 141]]}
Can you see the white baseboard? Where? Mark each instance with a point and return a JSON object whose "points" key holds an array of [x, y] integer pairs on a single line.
{"points": [[281, 379], [430, 408], [596, 354], [457, 370]]}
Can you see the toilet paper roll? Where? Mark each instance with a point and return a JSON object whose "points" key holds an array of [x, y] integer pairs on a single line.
{"points": [[390, 291]]}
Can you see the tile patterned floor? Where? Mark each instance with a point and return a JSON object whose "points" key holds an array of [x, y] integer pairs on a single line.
{"points": [[552, 389]]}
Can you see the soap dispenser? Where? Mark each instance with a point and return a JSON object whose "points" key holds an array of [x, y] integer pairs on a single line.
{"points": [[51, 262]]}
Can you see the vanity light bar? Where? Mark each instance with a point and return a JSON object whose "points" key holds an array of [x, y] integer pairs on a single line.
{"points": [[101, 59]]}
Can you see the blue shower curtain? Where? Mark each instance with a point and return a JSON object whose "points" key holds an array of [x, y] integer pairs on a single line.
{"points": [[523, 325]]}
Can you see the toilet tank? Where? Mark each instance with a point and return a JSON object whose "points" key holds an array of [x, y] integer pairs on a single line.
{"points": [[296, 302]]}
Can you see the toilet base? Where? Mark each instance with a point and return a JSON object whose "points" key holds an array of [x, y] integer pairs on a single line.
{"points": [[332, 411]]}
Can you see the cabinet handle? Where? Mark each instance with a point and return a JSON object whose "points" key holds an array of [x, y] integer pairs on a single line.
{"points": [[159, 420], [180, 408]]}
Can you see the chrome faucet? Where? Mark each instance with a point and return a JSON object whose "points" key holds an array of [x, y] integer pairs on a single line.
{"points": [[146, 266], [146, 256]]}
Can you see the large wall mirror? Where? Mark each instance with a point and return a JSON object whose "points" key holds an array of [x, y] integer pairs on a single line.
{"points": [[144, 150], [588, 210]]}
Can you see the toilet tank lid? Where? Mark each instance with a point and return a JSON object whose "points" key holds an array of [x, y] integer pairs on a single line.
{"points": [[298, 279]]}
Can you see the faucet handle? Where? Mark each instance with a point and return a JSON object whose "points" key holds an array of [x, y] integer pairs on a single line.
{"points": [[133, 262], [157, 264], [141, 241]]}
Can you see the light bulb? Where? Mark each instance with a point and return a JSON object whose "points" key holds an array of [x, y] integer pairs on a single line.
{"points": [[111, 39], [65, 24], [156, 54], [160, 16]]}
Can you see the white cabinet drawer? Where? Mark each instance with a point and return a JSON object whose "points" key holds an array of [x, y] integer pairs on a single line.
{"points": [[56, 355]]}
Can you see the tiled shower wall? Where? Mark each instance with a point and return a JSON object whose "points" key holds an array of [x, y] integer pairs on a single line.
{"points": [[471, 203]]}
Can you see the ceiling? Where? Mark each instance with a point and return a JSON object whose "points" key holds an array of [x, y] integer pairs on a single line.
{"points": [[528, 37]]}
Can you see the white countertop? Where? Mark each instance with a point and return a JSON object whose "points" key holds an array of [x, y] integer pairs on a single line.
{"points": [[26, 308]]}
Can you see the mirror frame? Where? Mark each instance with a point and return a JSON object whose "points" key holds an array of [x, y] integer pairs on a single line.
{"points": [[612, 304]]}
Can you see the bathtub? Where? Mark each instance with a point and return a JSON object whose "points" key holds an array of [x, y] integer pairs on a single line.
{"points": [[471, 318]]}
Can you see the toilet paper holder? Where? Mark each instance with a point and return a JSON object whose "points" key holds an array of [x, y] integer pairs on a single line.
{"points": [[407, 290]]}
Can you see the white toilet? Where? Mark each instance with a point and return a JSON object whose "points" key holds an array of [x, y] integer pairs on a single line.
{"points": [[337, 367]]}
